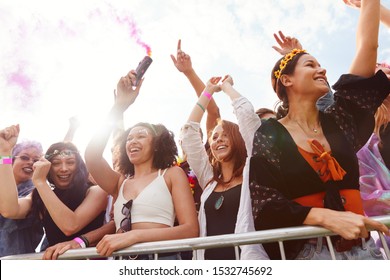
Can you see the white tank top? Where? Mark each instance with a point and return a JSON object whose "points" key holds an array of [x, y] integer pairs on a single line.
{"points": [[153, 204]]}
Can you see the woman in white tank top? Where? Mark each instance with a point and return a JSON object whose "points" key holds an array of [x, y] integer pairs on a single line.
{"points": [[149, 190]]}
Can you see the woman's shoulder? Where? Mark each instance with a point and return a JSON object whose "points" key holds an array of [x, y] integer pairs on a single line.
{"points": [[96, 189], [270, 128], [174, 171]]}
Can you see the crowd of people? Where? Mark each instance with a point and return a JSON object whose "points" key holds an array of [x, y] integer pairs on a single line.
{"points": [[321, 158]]}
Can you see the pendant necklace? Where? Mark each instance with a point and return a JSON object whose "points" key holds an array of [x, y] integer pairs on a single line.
{"points": [[219, 202], [315, 130]]}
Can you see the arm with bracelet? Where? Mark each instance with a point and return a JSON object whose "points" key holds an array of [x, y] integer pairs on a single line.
{"points": [[10, 205], [88, 239]]}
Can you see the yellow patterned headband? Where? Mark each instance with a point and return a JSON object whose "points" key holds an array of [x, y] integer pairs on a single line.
{"points": [[285, 60]]}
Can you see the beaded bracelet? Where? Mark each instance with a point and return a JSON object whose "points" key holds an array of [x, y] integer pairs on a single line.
{"points": [[208, 95], [5, 160], [80, 241], [200, 106]]}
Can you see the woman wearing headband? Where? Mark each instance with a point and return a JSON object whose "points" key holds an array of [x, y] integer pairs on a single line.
{"points": [[304, 169], [63, 199]]}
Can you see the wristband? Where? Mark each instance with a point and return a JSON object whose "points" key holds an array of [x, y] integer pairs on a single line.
{"points": [[5, 160], [82, 237], [80, 241], [200, 106], [208, 95]]}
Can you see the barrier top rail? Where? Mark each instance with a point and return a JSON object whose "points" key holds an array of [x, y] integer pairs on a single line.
{"points": [[192, 244]]}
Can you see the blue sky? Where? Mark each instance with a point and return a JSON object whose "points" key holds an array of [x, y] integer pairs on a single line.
{"points": [[61, 59]]}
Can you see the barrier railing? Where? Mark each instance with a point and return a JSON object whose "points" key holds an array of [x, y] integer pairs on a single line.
{"points": [[192, 244]]}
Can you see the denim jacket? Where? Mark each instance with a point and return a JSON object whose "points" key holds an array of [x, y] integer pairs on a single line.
{"points": [[20, 236]]}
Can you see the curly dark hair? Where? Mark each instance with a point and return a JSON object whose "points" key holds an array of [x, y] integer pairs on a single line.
{"points": [[281, 108], [164, 146]]}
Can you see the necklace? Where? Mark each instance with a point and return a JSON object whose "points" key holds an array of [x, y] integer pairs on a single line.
{"points": [[219, 202], [315, 130]]}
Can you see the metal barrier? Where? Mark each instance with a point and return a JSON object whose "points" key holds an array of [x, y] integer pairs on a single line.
{"points": [[227, 240]]}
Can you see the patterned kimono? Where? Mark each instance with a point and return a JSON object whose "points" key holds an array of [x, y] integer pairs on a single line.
{"points": [[279, 174]]}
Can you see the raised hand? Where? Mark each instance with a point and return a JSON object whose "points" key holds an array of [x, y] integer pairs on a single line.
{"points": [[227, 79], [182, 61], [286, 44], [8, 138], [41, 169], [212, 85], [353, 3], [126, 94]]}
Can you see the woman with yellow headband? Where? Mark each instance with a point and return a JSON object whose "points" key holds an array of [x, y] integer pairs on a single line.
{"points": [[304, 169]]}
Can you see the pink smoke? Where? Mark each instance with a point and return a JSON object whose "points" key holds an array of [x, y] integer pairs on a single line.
{"points": [[24, 83], [129, 23]]}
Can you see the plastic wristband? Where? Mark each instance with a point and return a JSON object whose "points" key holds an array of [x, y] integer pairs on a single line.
{"points": [[208, 95], [200, 106], [80, 241], [5, 160], [82, 237]]}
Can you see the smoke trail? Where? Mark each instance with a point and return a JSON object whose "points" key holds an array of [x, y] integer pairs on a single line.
{"points": [[130, 25], [134, 32]]}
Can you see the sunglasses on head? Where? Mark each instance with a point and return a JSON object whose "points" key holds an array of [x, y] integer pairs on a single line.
{"points": [[125, 224], [63, 154]]}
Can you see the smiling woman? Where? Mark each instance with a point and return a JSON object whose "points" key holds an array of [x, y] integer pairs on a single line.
{"points": [[145, 177], [23, 236], [220, 175], [66, 207]]}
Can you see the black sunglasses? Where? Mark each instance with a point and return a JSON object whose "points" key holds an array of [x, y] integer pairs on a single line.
{"points": [[125, 224]]}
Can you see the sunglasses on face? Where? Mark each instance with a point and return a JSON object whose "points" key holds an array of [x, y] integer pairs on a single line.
{"points": [[125, 224], [27, 159]]}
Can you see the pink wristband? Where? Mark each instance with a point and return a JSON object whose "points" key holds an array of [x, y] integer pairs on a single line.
{"points": [[80, 241], [208, 95], [5, 160]]}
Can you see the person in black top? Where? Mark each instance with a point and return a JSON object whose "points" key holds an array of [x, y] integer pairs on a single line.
{"points": [[304, 169]]}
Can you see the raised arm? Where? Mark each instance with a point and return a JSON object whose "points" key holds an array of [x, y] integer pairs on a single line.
{"points": [[384, 12], [101, 171], [68, 221], [74, 124], [183, 63], [10, 205], [204, 100], [365, 58]]}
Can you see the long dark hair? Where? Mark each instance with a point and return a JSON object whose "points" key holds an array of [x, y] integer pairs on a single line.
{"points": [[238, 154], [281, 108], [164, 146], [75, 193]]}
